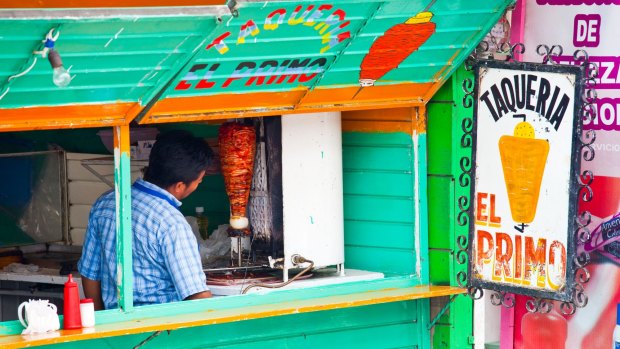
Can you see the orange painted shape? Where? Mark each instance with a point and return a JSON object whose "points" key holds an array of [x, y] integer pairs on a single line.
{"points": [[212, 317], [397, 43], [59, 117]]}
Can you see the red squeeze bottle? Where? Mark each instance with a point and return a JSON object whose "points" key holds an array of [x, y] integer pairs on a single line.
{"points": [[72, 319]]}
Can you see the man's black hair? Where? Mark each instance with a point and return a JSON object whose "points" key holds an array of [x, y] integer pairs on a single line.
{"points": [[177, 156]]}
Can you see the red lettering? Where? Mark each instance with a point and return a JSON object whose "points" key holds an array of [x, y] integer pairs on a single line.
{"points": [[480, 207], [483, 255], [535, 260], [492, 217], [503, 255]]}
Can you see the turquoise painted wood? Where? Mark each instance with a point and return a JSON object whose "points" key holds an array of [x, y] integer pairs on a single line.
{"points": [[379, 205], [261, 46], [390, 325], [124, 233], [322, 44], [113, 59]]}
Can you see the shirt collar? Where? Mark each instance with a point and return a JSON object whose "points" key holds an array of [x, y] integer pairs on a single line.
{"points": [[159, 190]]}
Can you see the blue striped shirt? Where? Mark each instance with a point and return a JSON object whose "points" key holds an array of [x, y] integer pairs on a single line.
{"points": [[166, 263]]}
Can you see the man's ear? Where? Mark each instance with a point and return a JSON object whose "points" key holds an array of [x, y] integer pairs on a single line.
{"points": [[177, 188]]}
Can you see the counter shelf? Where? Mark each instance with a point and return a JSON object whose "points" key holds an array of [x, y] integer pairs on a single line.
{"points": [[231, 309]]}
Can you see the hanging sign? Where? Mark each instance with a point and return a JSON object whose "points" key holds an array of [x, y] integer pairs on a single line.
{"points": [[526, 160]]}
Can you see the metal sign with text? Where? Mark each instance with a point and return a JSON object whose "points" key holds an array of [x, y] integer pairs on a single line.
{"points": [[524, 198]]}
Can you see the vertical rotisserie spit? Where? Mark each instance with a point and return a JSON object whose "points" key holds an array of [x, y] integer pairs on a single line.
{"points": [[237, 144]]}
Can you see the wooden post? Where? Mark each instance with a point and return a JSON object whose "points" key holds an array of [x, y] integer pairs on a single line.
{"points": [[122, 187]]}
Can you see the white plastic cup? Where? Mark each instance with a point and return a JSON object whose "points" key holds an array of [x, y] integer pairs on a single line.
{"points": [[87, 312]]}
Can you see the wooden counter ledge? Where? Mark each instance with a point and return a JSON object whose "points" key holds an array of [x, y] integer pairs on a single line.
{"points": [[211, 317]]}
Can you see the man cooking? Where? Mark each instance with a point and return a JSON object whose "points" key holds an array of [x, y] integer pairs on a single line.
{"points": [[166, 263]]}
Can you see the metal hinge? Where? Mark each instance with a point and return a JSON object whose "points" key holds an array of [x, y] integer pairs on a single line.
{"points": [[470, 340]]}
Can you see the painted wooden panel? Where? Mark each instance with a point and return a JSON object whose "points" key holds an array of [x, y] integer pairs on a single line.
{"points": [[384, 183], [440, 265], [390, 325], [444, 134], [312, 197], [440, 145], [377, 139], [379, 234], [310, 37], [441, 211], [111, 59], [378, 202], [389, 261], [368, 158], [383, 209]]}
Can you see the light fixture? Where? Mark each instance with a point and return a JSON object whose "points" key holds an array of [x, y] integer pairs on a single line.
{"points": [[60, 76]]}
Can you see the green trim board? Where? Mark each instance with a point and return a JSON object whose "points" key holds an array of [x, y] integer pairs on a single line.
{"points": [[455, 327]]}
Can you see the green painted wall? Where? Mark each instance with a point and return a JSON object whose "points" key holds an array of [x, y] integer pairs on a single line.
{"points": [[445, 112], [378, 202]]}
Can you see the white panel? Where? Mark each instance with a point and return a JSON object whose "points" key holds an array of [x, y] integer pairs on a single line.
{"points": [[77, 172], [86, 192], [84, 156], [312, 188], [77, 236], [78, 216]]}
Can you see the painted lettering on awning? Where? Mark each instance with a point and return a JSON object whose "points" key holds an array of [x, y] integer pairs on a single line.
{"points": [[331, 26], [251, 73]]}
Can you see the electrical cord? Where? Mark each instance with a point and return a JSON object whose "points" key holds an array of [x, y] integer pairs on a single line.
{"points": [[297, 259]]}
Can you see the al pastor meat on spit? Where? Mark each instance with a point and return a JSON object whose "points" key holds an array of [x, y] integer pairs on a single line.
{"points": [[237, 144]]}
